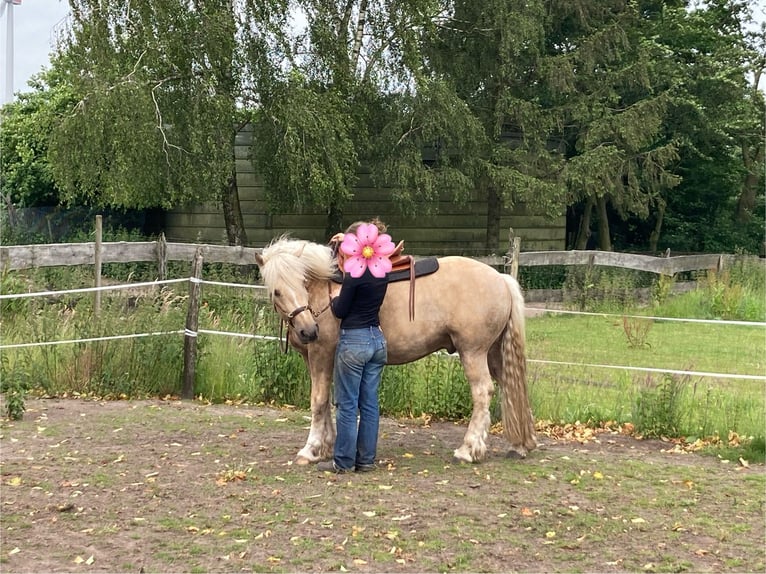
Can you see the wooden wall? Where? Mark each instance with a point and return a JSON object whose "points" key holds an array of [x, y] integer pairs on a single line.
{"points": [[453, 230]]}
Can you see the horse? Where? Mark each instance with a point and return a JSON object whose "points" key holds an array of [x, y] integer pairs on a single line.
{"points": [[465, 307]]}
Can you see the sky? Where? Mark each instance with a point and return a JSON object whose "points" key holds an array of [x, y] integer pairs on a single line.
{"points": [[34, 32]]}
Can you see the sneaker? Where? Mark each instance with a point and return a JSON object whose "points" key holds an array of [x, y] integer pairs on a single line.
{"points": [[330, 466], [366, 467]]}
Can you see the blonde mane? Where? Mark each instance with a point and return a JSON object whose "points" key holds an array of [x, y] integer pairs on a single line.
{"points": [[289, 262]]}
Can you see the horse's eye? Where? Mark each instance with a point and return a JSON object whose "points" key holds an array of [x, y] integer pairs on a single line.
{"points": [[277, 293]]}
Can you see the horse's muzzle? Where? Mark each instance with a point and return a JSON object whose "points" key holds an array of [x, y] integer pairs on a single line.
{"points": [[308, 334]]}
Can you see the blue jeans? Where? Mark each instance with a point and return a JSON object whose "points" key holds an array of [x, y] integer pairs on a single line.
{"points": [[359, 360]]}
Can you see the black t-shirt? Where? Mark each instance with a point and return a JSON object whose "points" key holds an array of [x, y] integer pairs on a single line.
{"points": [[359, 301]]}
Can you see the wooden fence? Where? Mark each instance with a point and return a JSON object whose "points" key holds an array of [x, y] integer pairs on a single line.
{"points": [[18, 257]]}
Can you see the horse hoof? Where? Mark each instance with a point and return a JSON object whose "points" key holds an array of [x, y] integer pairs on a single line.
{"points": [[460, 461], [301, 461], [515, 455]]}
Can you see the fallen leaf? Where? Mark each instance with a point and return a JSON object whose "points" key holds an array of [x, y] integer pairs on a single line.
{"points": [[359, 562], [369, 513], [638, 520], [550, 534], [14, 551], [527, 512], [408, 455], [598, 476], [15, 481]]}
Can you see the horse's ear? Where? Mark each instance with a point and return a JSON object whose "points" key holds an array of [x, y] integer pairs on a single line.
{"points": [[259, 259]]}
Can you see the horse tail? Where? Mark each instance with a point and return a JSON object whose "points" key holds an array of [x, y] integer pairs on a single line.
{"points": [[518, 422]]}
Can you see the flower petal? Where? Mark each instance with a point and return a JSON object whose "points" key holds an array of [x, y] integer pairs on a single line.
{"points": [[355, 266], [367, 233], [383, 245], [351, 245], [379, 265]]}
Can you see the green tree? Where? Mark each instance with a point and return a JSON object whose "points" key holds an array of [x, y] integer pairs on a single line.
{"points": [[158, 85], [354, 93], [491, 56], [25, 172], [713, 69]]}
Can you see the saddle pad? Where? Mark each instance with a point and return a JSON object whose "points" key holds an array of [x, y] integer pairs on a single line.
{"points": [[422, 267]]}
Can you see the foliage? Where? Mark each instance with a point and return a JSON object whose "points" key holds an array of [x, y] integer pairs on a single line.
{"points": [[593, 288], [637, 331], [658, 407], [25, 171], [735, 294], [14, 384], [131, 140], [644, 117]]}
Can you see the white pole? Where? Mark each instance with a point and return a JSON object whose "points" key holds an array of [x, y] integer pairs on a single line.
{"points": [[8, 94]]}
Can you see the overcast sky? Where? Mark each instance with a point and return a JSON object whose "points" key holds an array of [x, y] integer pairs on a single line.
{"points": [[35, 25]]}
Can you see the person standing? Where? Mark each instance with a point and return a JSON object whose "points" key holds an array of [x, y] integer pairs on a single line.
{"points": [[362, 352]]}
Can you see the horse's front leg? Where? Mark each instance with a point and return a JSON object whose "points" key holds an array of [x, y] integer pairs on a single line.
{"points": [[321, 439], [474, 445]]}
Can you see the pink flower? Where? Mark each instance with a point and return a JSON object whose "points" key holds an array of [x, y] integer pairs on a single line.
{"points": [[367, 249]]}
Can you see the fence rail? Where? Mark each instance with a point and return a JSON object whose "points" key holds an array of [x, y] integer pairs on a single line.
{"points": [[19, 257]]}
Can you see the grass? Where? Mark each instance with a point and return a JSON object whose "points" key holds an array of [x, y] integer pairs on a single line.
{"points": [[256, 371]]}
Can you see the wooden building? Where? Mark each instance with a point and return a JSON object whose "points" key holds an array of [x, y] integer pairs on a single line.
{"points": [[454, 229]]}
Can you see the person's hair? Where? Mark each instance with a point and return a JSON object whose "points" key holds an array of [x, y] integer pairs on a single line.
{"points": [[382, 227]]}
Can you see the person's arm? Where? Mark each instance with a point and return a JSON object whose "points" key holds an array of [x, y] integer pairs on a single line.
{"points": [[341, 305]]}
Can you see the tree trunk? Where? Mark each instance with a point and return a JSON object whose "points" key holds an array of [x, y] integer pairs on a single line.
{"points": [[604, 238], [746, 199], [334, 220], [583, 232], [654, 236], [494, 207], [232, 212]]}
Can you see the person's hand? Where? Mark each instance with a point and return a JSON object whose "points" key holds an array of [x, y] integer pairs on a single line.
{"points": [[337, 238]]}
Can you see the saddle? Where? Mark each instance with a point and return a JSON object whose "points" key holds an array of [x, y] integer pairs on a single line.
{"points": [[405, 268]]}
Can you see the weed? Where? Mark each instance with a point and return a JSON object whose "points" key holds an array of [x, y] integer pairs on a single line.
{"points": [[636, 331], [658, 406], [14, 382]]}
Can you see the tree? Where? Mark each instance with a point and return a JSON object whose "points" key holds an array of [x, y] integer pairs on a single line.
{"points": [[158, 87], [26, 175], [716, 114], [496, 133], [604, 83]]}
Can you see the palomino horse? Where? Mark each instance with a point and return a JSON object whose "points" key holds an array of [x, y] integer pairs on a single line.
{"points": [[465, 307]]}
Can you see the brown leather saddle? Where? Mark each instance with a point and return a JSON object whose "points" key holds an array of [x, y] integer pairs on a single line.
{"points": [[405, 268]]}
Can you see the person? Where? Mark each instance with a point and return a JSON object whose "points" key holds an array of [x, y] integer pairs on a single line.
{"points": [[362, 352]]}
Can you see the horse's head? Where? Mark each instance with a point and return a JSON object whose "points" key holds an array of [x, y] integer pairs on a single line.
{"points": [[288, 267]]}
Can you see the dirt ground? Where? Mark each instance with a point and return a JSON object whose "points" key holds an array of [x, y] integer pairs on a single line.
{"points": [[171, 486]]}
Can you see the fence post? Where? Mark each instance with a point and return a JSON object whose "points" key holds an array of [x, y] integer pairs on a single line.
{"points": [[97, 265], [190, 331], [162, 257], [514, 248]]}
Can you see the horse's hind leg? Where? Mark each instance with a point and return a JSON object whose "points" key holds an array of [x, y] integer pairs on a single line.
{"points": [[476, 369]]}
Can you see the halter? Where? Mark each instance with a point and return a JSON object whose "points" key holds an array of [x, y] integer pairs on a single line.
{"points": [[297, 311]]}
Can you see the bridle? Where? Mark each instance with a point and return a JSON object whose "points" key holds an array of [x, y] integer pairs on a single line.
{"points": [[297, 311]]}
